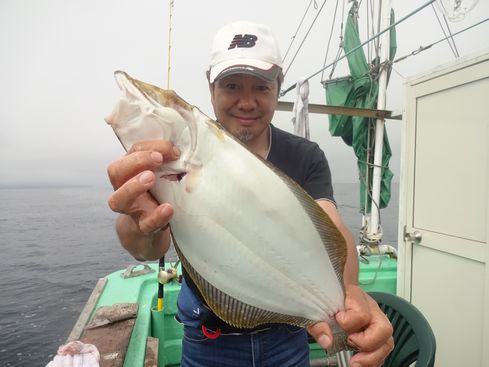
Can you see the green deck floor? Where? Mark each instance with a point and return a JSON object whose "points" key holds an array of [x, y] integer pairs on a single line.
{"points": [[378, 274]]}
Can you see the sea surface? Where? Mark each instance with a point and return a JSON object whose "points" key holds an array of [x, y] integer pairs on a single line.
{"points": [[56, 242]]}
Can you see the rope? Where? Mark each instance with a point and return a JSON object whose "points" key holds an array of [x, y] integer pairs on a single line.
{"points": [[450, 32], [368, 27], [376, 238], [303, 40], [364, 179], [377, 41], [372, 281], [443, 30], [398, 73], [423, 48], [297, 30], [372, 164], [340, 46], [363, 44], [331, 36]]}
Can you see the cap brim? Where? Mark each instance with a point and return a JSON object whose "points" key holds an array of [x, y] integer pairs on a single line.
{"points": [[260, 69]]}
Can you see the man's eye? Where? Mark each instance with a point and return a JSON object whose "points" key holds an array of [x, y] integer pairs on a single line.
{"points": [[263, 88], [232, 86]]}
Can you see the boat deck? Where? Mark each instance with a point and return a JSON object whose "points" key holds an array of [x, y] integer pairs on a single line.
{"points": [[152, 327]]}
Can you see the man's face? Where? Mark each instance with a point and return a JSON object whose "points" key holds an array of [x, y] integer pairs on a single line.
{"points": [[244, 104]]}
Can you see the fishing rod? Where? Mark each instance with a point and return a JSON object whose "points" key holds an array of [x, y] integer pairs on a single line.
{"points": [[169, 43], [283, 93], [161, 285], [165, 276], [162, 259]]}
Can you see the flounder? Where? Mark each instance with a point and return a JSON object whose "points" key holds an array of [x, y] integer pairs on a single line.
{"points": [[257, 246]]}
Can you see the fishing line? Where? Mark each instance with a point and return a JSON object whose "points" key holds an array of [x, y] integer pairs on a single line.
{"points": [[361, 45]]}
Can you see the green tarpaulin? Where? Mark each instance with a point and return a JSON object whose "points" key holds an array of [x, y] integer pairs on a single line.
{"points": [[360, 89]]}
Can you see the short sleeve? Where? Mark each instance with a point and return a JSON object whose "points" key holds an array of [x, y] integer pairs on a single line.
{"points": [[317, 176]]}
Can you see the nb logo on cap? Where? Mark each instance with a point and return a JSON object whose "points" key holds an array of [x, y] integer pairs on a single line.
{"points": [[240, 40]]}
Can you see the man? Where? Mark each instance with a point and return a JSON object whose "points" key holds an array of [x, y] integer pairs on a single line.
{"points": [[244, 81]]}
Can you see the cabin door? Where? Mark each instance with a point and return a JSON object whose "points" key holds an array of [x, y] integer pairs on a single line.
{"points": [[444, 208]]}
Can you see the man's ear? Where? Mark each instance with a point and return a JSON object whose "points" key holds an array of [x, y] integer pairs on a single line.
{"points": [[211, 85], [211, 90], [208, 75]]}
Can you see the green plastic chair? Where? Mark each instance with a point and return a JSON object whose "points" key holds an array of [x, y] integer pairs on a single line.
{"points": [[413, 337]]}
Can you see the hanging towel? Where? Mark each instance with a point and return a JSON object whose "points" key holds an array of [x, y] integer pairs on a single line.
{"points": [[300, 118]]}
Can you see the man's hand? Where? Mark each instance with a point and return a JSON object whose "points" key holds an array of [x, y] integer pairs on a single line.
{"points": [[370, 331], [142, 217]]}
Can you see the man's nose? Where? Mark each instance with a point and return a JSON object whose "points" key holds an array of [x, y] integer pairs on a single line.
{"points": [[247, 100]]}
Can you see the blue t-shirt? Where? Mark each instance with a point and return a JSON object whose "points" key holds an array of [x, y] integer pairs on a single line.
{"points": [[303, 161]]}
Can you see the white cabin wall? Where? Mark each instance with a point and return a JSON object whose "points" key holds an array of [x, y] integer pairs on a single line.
{"points": [[445, 198]]}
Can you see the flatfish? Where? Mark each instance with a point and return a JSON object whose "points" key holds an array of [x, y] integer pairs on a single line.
{"points": [[257, 246]]}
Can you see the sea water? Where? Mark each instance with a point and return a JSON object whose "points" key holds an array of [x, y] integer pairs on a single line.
{"points": [[56, 242]]}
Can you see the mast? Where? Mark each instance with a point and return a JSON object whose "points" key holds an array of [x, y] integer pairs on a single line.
{"points": [[373, 229]]}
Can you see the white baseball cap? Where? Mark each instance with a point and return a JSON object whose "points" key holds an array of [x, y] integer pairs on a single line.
{"points": [[245, 48]]}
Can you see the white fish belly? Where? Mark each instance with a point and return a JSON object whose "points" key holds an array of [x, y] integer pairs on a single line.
{"points": [[246, 233]]}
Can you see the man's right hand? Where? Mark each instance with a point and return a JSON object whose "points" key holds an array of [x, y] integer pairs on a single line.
{"points": [[142, 217]]}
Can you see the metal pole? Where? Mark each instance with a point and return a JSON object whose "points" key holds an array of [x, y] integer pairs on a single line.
{"points": [[344, 357], [373, 225]]}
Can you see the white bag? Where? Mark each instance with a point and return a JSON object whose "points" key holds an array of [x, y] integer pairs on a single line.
{"points": [[76, 354]]}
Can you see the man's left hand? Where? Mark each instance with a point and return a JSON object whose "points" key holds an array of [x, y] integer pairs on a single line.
{"points": [[370, 331]]}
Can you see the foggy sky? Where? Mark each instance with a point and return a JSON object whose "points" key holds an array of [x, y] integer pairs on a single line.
{"points": [[58, 58]]}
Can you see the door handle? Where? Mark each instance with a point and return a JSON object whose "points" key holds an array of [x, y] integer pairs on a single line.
{"points": [[415, 236]]}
